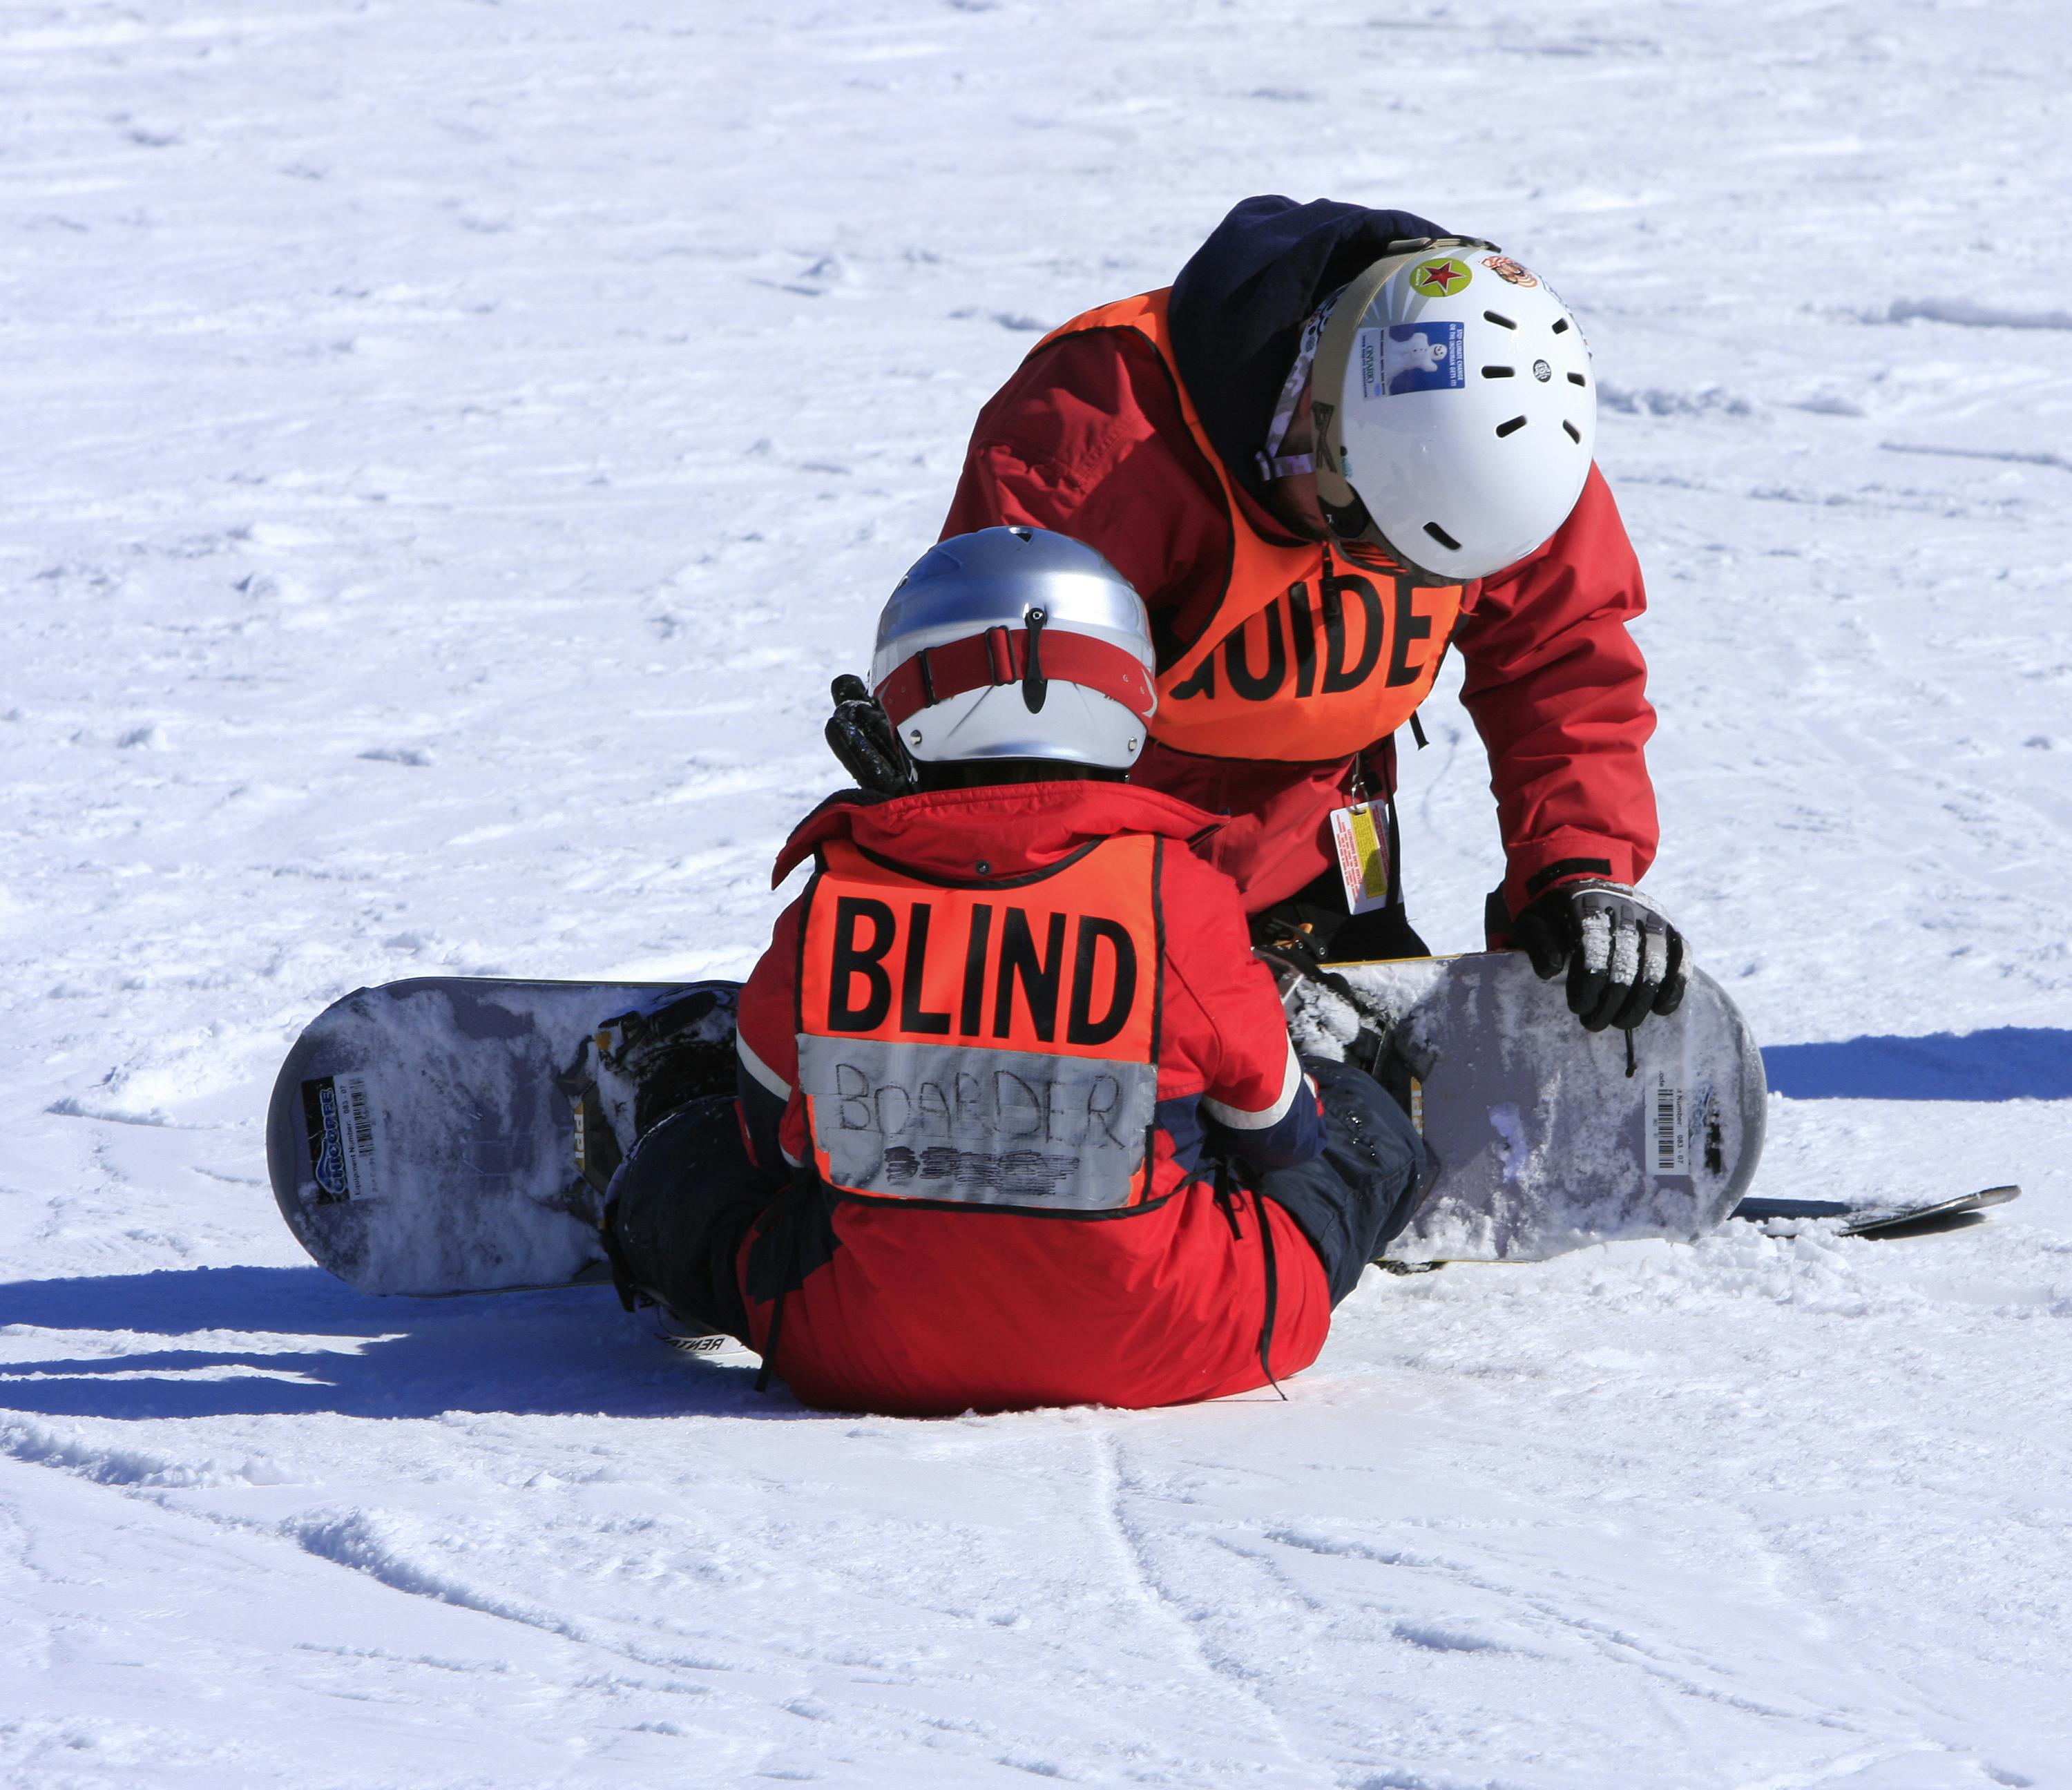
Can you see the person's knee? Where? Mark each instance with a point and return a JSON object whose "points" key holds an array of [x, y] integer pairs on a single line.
{"points": [[1359, 1112], [698, 1144], [1362, 1190]]}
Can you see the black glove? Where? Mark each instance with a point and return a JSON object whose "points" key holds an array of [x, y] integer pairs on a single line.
{"points": [[868, 744], [1624, 959]]}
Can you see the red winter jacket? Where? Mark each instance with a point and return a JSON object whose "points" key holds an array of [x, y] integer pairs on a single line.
{"points": [[933, 1306], [1087, 438]]}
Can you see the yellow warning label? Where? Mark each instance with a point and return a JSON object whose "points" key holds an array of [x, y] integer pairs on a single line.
{"points": [[1362, 848], [1367, 850]]}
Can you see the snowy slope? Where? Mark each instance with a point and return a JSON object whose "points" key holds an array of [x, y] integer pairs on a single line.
{"points": [[448, 447]]}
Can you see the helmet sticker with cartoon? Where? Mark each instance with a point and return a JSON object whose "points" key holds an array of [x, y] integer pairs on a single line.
{"points": [[1411, 357], [1504, 268]]}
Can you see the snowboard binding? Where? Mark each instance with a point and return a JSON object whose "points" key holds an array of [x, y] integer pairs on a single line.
{"points": [[638, 1067]]}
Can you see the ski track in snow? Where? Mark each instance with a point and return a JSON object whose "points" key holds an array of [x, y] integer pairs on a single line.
{"points": [[450, 448]]}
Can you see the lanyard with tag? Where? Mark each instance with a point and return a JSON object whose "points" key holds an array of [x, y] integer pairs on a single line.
{"points": [[1361, 833]]}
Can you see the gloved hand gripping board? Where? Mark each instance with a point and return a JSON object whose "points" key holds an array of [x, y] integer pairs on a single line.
{"points": [[1546, 1137]]}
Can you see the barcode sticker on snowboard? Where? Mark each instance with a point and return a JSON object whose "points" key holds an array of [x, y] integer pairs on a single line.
{"points": [[340, 1118], [1672, 1135]]}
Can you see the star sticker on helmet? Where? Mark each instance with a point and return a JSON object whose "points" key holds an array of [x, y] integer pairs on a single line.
{"points": [[1444, 276]]}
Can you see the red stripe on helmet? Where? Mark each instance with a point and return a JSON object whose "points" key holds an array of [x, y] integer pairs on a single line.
{"points": [[1000, 656]]}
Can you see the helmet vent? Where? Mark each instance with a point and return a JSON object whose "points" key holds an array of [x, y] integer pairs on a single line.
{"points": [[1510, 427], [1560, 323], [1442, 537], [1499, 372], [1578, 379], [1501, 321], [1574, 434]]}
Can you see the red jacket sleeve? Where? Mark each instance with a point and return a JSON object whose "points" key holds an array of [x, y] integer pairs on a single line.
{"points": [[766, 1049], [1224, 1021], [1558, 691], [1088, 438]]}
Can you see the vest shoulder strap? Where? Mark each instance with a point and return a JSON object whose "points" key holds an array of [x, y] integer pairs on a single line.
{"points": [[1146, 313]]}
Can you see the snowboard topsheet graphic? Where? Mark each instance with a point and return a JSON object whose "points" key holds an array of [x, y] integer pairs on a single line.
{"points": [[1545, 1137]]}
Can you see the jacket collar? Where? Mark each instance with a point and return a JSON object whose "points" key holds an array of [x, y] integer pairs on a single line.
{"points": [[1010, 827]]}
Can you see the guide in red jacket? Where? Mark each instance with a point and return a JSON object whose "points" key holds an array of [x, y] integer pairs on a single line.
{"points": [[1045, 1138], [1339, 444]]}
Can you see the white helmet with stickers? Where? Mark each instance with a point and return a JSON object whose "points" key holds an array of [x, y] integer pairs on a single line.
{"points": [[1015, 643], [1455, 409]]}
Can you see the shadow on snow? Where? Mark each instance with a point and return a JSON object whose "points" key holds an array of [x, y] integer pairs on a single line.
{"points": [[2010, 1062], [570, 1352]]}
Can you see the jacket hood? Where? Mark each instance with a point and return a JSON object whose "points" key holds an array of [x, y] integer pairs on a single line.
{"points": [[1239, 305], [1010, 827]]}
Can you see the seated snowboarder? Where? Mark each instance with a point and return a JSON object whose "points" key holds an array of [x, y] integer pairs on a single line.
{"points": [[1019, 1122]]}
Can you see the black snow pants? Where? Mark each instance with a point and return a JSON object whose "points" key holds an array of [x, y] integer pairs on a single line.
{"points": [[1358, 1193], [679, 1206]]}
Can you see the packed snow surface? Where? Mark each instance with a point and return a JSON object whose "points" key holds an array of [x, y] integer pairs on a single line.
{"points": [[448, 448]]}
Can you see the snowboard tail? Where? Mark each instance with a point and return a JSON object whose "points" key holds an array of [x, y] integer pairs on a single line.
{"points": [[449, 1135]]}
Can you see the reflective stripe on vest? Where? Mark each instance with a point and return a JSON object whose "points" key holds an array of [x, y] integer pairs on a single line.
{"points": [[996, 1045], [1302, 659]]}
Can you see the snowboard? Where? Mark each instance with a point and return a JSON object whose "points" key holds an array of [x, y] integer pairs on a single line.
{"points": [[1891, 1218], [445, 1136], [449, 1135], [1545, 1137]]}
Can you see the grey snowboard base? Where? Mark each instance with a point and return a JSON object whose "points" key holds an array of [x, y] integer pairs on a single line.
{"points": [[1545, 1137], [449, 1135]]}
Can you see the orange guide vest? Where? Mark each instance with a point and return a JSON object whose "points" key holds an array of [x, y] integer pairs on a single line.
{"points": [[992, 1044], [1301, 660]]}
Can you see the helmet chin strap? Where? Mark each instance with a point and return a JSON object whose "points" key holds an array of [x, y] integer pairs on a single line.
{"points": [[1271, 462], [1355, 534]]}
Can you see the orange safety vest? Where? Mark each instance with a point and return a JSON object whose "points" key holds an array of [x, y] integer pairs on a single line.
{"points": [[1300, 661], [991, 1042]]}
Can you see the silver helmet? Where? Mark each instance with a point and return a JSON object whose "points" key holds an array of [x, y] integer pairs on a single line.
{"points": [[1015, 643]]}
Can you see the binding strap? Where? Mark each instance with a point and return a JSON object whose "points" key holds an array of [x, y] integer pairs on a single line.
{"points": [[1003, 655]]}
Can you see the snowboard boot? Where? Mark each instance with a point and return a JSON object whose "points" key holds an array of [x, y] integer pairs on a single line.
{"points": [[683, 1330], [673, 1225]]}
